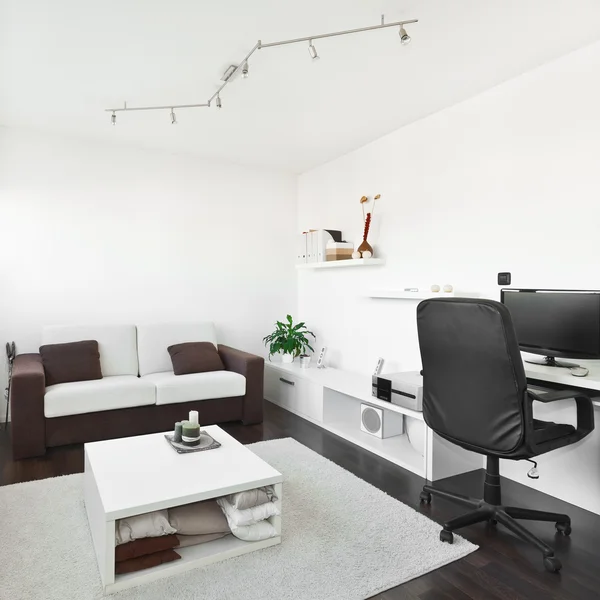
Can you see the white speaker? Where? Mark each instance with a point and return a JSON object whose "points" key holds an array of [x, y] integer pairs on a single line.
{"points": [[380, 423]]}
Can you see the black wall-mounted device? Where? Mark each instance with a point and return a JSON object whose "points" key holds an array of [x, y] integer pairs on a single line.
{"points": [[503, 278]]}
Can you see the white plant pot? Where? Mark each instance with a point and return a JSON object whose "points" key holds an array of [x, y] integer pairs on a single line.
{"points": [[287, 358], [305, 362]]}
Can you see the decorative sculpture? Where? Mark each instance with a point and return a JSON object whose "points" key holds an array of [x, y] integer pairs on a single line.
{"points": [[365, 250]]}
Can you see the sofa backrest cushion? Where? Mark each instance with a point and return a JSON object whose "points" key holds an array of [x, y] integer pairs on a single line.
{"points": [[73, 361], [116, 343], [153, 341]]}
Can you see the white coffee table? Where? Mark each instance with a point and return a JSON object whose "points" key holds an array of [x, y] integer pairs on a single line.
{"points": [[136, 475]]}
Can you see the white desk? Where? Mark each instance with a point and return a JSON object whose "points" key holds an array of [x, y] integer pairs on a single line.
{"points": [[571, 473], [563, 377]]}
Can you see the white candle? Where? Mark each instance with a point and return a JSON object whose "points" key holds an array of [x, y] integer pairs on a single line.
{"points": [[194, 417]]}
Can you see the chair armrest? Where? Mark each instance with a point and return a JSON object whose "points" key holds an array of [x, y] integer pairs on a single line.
{"points": [[585, 407], [27, 389], [252, 368]]}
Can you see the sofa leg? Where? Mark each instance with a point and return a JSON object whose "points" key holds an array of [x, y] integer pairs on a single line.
{"points": [[28, 452]]}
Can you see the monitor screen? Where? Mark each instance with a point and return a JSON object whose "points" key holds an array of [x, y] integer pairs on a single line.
{"points": [[556, 322]]}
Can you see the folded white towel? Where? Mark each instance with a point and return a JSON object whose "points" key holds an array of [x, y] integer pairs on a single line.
{"points": [[248, 516], [250, 524], [250, 498], [255, 533]]}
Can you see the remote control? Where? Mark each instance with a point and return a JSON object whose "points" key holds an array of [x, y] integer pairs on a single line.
{"points": [[378, 367], [321, 358]]}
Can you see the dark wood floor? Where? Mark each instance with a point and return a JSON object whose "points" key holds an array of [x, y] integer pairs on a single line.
{"points": [[503, 567]]}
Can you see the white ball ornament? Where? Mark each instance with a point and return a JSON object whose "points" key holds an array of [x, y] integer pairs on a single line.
{"points": [[435, 288], [448, 288], [367, 254], [356, 254]]}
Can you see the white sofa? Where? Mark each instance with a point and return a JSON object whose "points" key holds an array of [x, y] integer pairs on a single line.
{"points": [[138, 384]]}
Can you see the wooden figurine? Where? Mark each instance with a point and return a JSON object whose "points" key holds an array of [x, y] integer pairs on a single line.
{"points": [[365, 250]]}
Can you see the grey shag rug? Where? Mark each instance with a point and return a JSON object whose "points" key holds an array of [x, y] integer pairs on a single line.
{"points": [[343, 539]]}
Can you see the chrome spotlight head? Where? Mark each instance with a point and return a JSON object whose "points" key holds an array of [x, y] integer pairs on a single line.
{"points": [[404, 37]]}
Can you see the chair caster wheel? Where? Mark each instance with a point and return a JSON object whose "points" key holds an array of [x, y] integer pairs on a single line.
{"points": [[564, 528], [552, 564], [425, 498], [446, 536]]}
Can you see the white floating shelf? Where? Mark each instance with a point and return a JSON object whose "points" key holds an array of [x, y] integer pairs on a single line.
{"points": [[351, 262], [420, 295]]}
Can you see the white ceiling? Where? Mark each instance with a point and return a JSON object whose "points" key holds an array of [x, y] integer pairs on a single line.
{"points": [[63, 62]]}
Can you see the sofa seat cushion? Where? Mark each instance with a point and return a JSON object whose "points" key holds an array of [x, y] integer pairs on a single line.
{"points": [[79, 397], [171, 388]]}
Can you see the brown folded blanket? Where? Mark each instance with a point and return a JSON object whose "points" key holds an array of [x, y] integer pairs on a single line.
{"points": [[145, 562], [145, 546]]}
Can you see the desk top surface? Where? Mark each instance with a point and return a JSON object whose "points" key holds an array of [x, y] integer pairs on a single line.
{"points": [[563, 376]]}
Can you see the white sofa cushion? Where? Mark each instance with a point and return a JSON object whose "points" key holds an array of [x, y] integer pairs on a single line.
{"points": [[153, 341], [119, 391], [117, 344], [171, 388]]}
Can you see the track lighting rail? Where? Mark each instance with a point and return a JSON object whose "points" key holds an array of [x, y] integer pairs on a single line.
{"points": [[336, 33], [243, 65]]}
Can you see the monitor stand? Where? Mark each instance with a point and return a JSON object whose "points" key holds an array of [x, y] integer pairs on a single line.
{"points": [[550, 361]]}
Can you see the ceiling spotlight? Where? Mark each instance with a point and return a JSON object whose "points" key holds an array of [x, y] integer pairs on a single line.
{"points": [[173, 118], [312, 51], [113, 119], [219, 101], [404, 37], [245, 69]]}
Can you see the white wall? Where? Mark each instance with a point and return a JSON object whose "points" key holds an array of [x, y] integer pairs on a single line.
{"points": [[506, 181], [96, 233]]}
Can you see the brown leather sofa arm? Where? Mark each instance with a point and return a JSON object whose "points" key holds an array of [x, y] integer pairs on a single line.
{"points": [[27, 389], [252, 367]]}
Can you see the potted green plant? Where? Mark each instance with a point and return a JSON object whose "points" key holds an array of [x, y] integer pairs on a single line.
{"points": [[289, 339]]}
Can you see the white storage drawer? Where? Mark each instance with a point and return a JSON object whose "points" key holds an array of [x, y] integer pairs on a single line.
{"points": [[294, 393], [280, 388], [287, 391]]}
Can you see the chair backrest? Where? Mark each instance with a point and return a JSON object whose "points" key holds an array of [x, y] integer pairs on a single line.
{"points": [[153, 341], [116, 343], [474, 383]]}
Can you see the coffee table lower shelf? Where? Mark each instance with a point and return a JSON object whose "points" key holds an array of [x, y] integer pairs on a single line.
{"points": [[191, 558]]}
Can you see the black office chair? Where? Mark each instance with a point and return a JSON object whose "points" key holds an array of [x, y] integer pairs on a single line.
{"points": [[475, 395]]}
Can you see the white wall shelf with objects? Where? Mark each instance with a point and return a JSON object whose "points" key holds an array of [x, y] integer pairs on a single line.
{"points": [[420, 295], [351, 262], [331, 399]]}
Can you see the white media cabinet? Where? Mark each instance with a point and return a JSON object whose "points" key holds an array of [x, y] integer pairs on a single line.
{"points": [[331, 399]]}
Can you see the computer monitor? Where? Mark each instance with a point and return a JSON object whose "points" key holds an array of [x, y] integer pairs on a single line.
{"points": [[556, 323]]}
